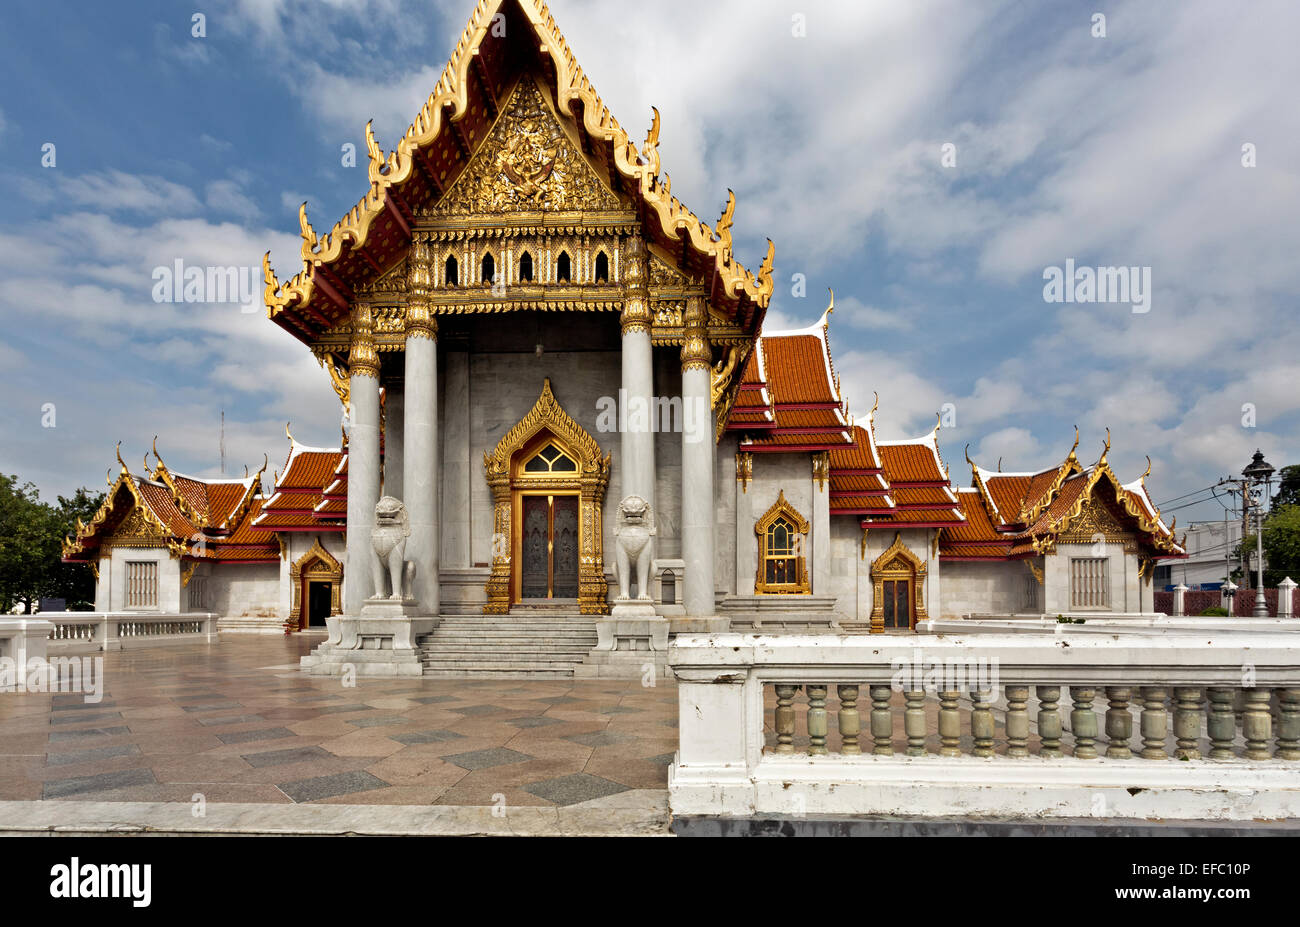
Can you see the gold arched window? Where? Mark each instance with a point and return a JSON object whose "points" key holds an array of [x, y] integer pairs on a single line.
{"points": [[782, 565], [550, 459]]}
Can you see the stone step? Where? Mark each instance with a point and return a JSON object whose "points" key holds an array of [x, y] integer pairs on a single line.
{"points": [[498, 674], [558, 637], [491, 646]]}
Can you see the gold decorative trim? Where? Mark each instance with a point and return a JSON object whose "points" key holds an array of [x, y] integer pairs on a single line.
{"points": [[574, 94], [1036, 570], [782, 509], [187, 573], [897, 563], [696, 353], [636, 302], [744, 469], [316, 564], [363, 361], [420, 322], [821, 469], [591, 483]]}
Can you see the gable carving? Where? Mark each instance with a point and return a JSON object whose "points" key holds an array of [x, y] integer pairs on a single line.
{"points": [[526, 164]]}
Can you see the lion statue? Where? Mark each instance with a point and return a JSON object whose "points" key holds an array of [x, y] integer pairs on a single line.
{"points": [[635, 528], [388, 536]]}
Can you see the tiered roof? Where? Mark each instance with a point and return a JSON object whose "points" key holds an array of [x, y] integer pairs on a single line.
{"points": [[311, 494], [196, 519], [789, 400], [503, 40], [1015, 515]]}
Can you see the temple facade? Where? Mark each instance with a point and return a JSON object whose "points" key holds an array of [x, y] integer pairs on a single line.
{"points": [[525, 328]]}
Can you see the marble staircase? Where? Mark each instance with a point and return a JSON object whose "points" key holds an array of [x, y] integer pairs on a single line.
{"points": [[529, 644]]}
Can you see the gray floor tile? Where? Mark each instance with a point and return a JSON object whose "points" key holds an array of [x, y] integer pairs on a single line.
{"points": [[425, 737], [91, 755], [80, 785], [328, 786], [601, 738], [58, 737], [378, 722], [282, 757], [485, 759], [569, 790], [244, 737], [534, 721]]}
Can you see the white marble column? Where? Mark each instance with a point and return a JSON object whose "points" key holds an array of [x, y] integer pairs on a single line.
{"points": [[363, 460], [697, 464], [821, 524], [420, 451], [638, 451]]}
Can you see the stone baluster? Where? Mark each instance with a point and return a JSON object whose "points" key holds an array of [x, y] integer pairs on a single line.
{"points": [[981, 722], [850, 722], [1119, 723], [1017, 720], [1187, 722], [1221, 723], [882, 721], [1257, 724], [949, 724], [914, 721], [1155, 723], [1049, 721], [1288, 724], [784, 718], [1083, 722], [817, 726]]}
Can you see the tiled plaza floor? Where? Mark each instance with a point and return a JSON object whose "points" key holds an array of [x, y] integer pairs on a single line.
{"points": [[236, 722]]}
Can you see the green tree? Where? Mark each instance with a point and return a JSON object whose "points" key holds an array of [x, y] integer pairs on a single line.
{"points": [[31, 546], [1288, 490], [1281, 544]]}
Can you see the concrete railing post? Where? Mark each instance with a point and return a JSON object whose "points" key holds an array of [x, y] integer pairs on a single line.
{"points": [[1286, 598], [1180, 609]]}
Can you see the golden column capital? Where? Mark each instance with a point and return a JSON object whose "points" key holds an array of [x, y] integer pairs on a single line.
{"points": [[420, 321], [695, 343], [363, 359], [636, 295]]}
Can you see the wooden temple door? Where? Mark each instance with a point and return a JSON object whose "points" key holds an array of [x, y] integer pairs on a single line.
{"points": [[549, 545], [898, 603]]}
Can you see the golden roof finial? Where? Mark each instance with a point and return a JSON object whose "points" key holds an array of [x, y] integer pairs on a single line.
{"points": [[286, 432], [968, 460], [1143, 478], [938, 422], [1172, 525], [728, 216], [309, 238], [765, 269], [119, 458], [109, 478], [1105, 450], [999, 464], [825, 320], [876, 406], [1076, 445], [650, 150]]}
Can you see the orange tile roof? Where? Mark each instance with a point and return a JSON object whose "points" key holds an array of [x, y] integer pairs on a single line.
{"points": [[910, 463]]}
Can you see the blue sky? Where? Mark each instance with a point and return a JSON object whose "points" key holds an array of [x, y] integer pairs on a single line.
{"points": [[1123, 150]]}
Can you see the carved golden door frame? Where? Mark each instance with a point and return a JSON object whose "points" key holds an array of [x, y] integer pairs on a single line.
{"points": [[315, 566], [782, 509], [547, 422], [897, 563]]}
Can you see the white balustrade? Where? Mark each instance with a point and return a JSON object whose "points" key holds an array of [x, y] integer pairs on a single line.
{"points": [[770, 725], [93, 632]]}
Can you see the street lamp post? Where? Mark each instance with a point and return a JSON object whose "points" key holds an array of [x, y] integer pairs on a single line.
{"points": [[1260, 474]]}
